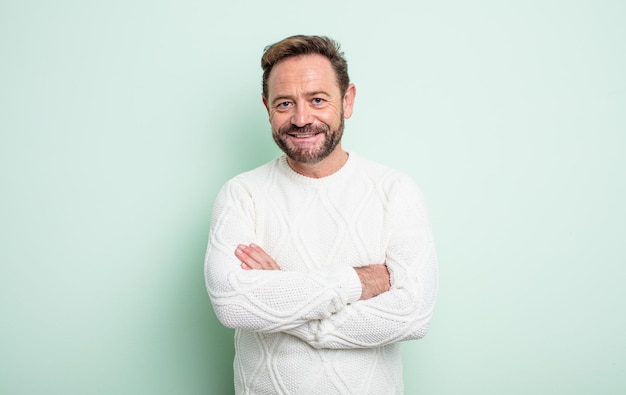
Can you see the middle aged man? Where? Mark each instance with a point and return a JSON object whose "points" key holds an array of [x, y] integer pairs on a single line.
{"points": [[322, 260]]}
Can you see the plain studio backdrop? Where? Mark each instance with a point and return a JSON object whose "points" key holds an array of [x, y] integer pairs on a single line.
{"points": [[120, 120]]}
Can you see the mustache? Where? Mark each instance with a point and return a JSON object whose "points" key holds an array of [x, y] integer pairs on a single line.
{"points": [[306, 129]]}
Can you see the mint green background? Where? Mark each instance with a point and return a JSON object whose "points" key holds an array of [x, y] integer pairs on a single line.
{"points": [[120, 120]]}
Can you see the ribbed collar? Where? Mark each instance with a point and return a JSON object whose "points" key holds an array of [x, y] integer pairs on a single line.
{"points": [[340, 175]]}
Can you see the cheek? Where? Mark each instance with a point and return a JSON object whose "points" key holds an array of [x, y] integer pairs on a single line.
{"points": [[277, 121], [279, 115], [274, 119], [330, 117]]}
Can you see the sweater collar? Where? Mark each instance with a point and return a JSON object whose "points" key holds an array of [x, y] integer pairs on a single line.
{"points": [[337, 176]]}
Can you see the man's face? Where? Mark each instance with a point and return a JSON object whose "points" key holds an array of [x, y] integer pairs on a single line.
{"points": [[306, 108]]}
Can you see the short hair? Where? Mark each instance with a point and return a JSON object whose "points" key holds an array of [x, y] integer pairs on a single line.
{"points": [[306, 45]]}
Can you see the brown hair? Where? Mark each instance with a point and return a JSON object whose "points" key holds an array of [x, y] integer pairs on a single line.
{"points": [[306, 45]]}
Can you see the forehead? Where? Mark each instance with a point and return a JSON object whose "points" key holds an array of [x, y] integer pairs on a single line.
{"points": [[302, 73]]}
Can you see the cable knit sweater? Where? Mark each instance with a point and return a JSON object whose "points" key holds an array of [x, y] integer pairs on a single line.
{"points": [[302, 329]]}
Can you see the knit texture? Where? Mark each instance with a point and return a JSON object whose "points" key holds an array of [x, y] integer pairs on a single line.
{"points": [[302, 329]]}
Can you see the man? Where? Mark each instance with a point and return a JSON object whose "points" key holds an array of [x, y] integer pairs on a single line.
{"points": [[321, 260]]}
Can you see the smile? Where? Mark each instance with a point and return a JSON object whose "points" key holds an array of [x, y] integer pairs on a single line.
{"points": [[310, 134]]}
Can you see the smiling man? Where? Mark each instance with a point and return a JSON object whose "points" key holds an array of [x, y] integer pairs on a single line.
{"points": [[321, 260], [307, 107]]}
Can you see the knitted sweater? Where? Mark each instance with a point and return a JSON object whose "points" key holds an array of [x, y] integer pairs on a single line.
{"points": [[302, 329]]}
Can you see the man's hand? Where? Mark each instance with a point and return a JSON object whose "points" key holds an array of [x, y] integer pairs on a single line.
{"points": [[254, 257], [374, 280]]}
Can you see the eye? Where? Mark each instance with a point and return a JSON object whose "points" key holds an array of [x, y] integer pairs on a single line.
{"points": [[318, 100], [283, 105]]}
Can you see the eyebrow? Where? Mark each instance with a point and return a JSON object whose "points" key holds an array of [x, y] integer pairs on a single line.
{"points": [[317, 93]]}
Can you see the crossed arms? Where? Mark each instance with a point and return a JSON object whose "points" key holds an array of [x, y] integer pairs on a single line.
{"points": [[339, 306], [374, 278]]}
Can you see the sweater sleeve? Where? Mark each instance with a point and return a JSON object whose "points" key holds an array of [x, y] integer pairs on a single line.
{"points": [[265, 300], [402, 313]]}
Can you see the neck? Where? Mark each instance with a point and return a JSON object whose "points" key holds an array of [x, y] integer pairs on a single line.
{"points": [[327, 166]]}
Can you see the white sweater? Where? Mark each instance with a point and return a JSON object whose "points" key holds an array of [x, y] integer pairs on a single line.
{"points": [[302, 329]]}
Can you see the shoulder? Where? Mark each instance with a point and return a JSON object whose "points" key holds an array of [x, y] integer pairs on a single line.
{"points": [[397, 189], [385, 177], [252, 179], [241, 189]]}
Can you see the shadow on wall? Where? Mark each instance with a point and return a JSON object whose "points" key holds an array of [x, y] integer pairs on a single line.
{"points": [[195, 352]]}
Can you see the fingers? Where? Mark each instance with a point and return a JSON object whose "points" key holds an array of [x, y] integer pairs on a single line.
{"points": [[254, 257], [374, 280]]}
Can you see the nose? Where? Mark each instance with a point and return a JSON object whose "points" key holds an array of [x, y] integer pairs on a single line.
{"points": [[302, 116]]}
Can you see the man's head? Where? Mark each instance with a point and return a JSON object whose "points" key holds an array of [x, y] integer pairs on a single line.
{"points": [[306, 45], [308, 94]]}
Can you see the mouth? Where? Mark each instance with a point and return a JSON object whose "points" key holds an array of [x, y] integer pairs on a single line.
{"points": [[307, 135], [302, 135]]}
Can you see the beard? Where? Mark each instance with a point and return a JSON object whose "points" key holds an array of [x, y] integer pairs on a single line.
{"points": [[309, 155]]}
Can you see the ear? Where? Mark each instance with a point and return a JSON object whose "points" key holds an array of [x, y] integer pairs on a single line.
{"points": [[265, 103], [348, 101]]}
